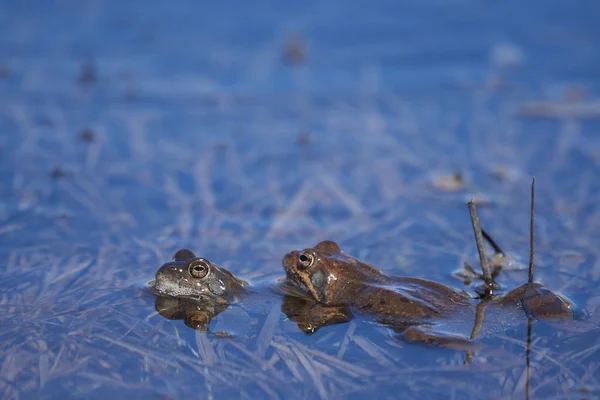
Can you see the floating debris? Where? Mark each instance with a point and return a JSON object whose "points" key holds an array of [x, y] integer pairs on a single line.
{"points": [[576, 93], [560, 109], [58, 173], [506, 55], [5, 72], [87, 73], [505, 173], [87, 135], [295, 50], [303, 139], [449, 182]]}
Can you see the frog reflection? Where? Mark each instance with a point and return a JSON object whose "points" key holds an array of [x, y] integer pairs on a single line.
{"points": [[195, 314], [412, 306], [311, 315]]}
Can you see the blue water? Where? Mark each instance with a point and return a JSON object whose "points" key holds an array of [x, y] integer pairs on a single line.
{"points": [[205, 137]]}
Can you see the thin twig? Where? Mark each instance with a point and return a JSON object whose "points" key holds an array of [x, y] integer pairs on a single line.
{"points": [[531, 242], [531, 259], [479, 315], [487, 276], [492, 242], [528, 355]]}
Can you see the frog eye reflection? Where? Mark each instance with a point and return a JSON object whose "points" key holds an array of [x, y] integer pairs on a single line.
{"points": [[199, 268], [306, 259]]}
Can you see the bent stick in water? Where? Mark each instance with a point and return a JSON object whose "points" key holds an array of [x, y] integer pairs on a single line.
{"points": [[487, 276], [492, 242]]}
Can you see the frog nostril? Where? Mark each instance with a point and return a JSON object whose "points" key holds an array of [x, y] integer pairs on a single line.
{"points": [[287, 259], [160, 277]]}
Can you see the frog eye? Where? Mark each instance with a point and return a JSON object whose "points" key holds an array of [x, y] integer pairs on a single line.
{"points": [[306, 259], [199, 268]]}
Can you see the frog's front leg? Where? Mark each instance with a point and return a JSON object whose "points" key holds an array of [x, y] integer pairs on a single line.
{"points": [[421, 334]]}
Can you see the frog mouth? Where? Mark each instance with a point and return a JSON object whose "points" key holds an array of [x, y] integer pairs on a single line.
{"points": [[164, 287], [288, 265], [293, 277], [298, 283], [168, 287]]}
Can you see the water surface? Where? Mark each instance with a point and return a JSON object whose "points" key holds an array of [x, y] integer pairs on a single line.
{"points": [[129, 132]]}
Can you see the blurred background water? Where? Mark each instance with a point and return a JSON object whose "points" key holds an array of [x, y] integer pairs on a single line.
{"points": [[243, 130]]}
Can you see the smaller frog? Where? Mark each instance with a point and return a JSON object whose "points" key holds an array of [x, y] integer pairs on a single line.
{"points": [[195, 290], [196, 278]]}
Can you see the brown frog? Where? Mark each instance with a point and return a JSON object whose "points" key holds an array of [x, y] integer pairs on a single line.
{"points": [[412, 306], [334, 278], [196, 278]]}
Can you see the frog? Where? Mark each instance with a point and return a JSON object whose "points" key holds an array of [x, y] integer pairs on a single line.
{"points": [[196, 278], [334, 278], [196, 290], [412, 306]]}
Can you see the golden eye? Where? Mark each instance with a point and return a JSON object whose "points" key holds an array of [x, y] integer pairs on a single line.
{"points": [[306, 259], [199, 268]]}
